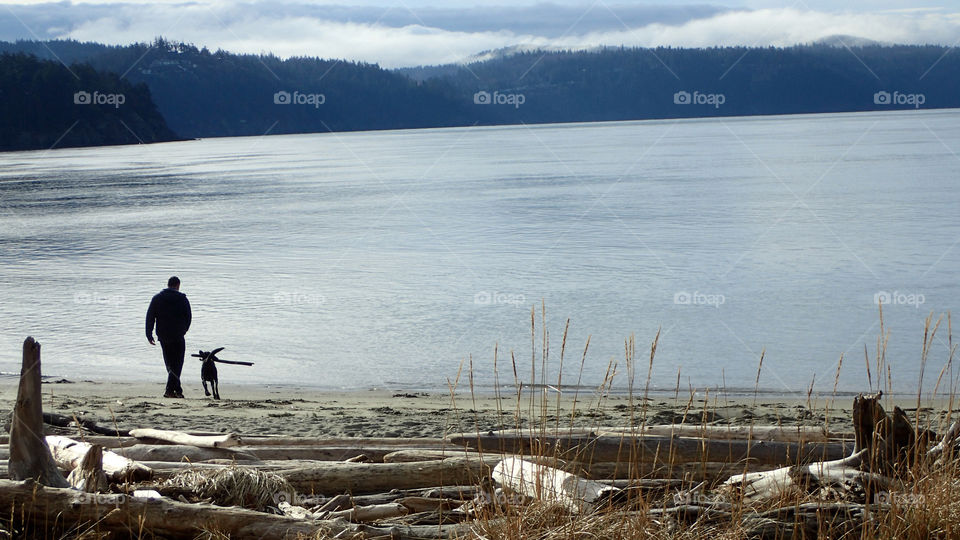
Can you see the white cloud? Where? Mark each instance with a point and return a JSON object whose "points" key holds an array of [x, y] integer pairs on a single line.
{"points": [[396, 36]]}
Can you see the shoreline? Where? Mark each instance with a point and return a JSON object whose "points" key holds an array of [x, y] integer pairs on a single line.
{"points": [[739, 393], [301, 412]]}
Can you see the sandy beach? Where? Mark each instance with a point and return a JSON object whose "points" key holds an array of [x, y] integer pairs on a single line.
{"points": [[296, 411]]}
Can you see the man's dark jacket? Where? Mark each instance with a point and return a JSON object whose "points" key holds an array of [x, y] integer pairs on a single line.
{"points": [[170, 310]]}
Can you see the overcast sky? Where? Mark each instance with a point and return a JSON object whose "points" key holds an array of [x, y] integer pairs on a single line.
{"points": [[396, 33]]}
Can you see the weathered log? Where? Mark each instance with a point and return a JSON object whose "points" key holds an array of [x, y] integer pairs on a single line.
{"points": [[375, 512], [180, 452], [179, 437], [553, 485], [30, 456], [407, 456], [689, 471], [61, 420], [69, 454], [396, 443], [427, 504], [883, 445], [40, 507], [357, 478], [794, 434], [665, 449], [843, 477], [948, 443], [89, 475]]}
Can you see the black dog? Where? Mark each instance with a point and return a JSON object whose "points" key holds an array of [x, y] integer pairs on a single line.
{"points": [[208, 371]]}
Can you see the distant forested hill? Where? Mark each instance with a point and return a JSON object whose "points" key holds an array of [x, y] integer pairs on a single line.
{"points": [[202, 93], [44, 104], [208, 94]]}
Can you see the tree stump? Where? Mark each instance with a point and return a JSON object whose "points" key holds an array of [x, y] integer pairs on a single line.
{"points": [[30, 456]]}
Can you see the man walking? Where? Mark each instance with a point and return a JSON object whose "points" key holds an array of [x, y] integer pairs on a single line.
{"points": [[170, 312]]}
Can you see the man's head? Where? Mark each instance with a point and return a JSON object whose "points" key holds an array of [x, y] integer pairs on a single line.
{"points": [[174, 283]]}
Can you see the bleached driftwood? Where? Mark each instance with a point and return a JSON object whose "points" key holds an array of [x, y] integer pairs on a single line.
{"points": [[549, 484], [179, 437], [89, 475], [333, 477], [883, 445], [30, 457], [69, 454]]}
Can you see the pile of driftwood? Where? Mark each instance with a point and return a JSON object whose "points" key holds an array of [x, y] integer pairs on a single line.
{"points": [[152, 482]]}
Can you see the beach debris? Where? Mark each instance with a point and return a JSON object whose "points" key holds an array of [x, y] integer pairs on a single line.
{"points": [[89, 475], [640, 447], [517, 475], [30, 456], [884, 446], [61, 420], [359, 478], [69, 455], [233, 486], [178, 437]]}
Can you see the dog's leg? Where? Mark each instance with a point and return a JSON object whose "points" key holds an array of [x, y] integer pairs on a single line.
{"points": [[205, 391], [216, 388]]}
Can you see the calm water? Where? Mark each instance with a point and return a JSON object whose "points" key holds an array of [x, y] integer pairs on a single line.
{"points": [[386, 259]]}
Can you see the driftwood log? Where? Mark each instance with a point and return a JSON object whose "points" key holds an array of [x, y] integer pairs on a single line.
{"points": [[182, 452], [546, 483], [89, 475], [61, 420], [654, 448], [179, 437], [357, 478], [69, 454], [30, 457], [884, 447], [39, 507]]}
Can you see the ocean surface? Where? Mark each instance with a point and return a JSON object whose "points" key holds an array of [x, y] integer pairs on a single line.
{"points": [[400, 260]]}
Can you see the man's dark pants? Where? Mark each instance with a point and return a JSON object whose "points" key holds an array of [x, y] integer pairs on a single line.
{"points": [[173, 352]]}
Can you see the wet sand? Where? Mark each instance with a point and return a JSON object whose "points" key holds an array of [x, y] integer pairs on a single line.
{"points": [[295, 411]]}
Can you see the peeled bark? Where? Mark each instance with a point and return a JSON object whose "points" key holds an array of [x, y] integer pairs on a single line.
{"points": [[30, 456]]}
